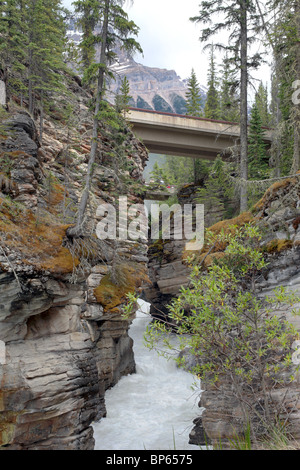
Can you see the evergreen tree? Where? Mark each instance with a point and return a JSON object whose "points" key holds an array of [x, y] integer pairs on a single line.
{"points": [[46, 41], [283, 34], [262, 105], [115, 27], [87, 22], [178, 170], [287, 51], [217, 191], [212, 103], [123, 98], [229, 106], [229, 100], [31, 49], [239, 17], [258, 159], [157, 174], [12, 50], [194, 105]]}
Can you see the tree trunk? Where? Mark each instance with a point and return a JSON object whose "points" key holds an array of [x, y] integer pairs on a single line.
{"points": [[296, 159], [30, 97], [77, 229], [197, 173], [244, 109], [30, 87], [4, 78], [41, 118], [296, 110], [276, 141]]}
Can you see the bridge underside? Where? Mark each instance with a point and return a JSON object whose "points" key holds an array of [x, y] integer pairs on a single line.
{"points": [[184, 144], [183, 136], [204, 154]]}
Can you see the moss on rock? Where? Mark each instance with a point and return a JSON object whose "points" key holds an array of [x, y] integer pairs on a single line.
{"points": [[277, 245], [37, 239], [113, 289]]}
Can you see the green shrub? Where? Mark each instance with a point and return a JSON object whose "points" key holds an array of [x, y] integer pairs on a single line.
{"points": [[235, 336]]}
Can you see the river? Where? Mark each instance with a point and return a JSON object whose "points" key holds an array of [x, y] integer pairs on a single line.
{"points": [[152, 409]]}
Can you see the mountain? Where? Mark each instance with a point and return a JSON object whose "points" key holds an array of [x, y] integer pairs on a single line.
{"points": [[150, 87]]}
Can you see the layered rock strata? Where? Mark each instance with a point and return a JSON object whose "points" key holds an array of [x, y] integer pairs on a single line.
{"points": [[168, 270], [278, 214], [62, 343]]}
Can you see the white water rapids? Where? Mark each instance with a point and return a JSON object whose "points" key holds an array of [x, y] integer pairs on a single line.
{"points": [[153, 409]]}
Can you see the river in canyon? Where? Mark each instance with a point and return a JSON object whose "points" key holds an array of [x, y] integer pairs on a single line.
{"points": [[152, 409]]}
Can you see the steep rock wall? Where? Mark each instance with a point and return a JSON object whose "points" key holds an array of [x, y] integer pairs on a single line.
{"points": [[278, 214], [167, 268], [63, 347]]}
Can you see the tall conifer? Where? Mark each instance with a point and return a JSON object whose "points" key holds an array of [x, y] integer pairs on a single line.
{"points": [[229, 101], [13, 44], [212, 103], [194, 104], [46, 41], [238, 17], [194, 107], [258, 159], [262, 104], [123, 97], [114, 26], [282, 31]]}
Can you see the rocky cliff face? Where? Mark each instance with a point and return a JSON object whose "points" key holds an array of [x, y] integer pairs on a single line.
{"points": [[63, 338], [278, 215], [168, 270], [150, 87]]}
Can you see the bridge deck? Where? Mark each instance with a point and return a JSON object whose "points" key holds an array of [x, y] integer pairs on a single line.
{"points": [[174, 134]]}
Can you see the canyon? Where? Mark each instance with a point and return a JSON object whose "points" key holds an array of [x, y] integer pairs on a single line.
{"points": [[277, 214], [64, 338]]}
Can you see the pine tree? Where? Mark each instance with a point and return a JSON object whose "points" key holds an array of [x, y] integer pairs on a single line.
{"points": [[46, 41], [194, 105], [238, 17], [123, 98], [178, 170], [262, 104], [212, 103], [157, 174], [283, 34], [87, 22], [258, 159], [229, 106], [115, 26], [12, 50], [288, 30], [31, 49]]}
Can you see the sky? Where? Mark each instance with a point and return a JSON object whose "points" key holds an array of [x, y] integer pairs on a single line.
{"points": [[167, 36], [170, 40]]}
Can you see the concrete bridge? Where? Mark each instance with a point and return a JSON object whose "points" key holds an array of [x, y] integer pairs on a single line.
{"points": [[186, 136]]}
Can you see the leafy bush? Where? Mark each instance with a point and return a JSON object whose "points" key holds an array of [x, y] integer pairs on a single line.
{"points": [[237, 338]]}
